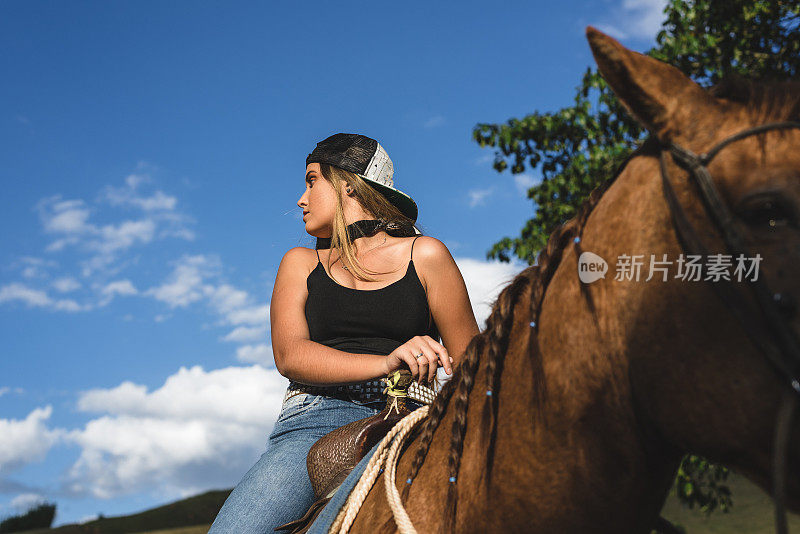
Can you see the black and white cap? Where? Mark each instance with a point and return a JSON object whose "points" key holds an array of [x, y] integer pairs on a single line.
{"points": [[367, 158]]}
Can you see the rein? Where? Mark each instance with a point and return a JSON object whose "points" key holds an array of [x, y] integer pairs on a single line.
{"points": [[768, 330]]}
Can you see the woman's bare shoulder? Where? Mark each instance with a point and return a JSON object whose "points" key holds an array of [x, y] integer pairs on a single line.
{"points": [[299, 259], [431, 258], [430, 249]]}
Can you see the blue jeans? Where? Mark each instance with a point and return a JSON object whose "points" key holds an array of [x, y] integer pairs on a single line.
{"points": [[277, 489]]}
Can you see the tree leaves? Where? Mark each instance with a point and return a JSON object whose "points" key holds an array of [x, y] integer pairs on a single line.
{"points": [[578, 147], [699, 483]]}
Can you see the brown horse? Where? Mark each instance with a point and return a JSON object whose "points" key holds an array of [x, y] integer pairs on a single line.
{"points": [[598, 389]]}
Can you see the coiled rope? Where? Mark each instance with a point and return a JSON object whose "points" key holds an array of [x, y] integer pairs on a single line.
{"points": [[387, 454]]}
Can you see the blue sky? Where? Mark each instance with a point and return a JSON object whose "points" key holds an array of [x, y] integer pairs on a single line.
{"points": [[152, 157]]}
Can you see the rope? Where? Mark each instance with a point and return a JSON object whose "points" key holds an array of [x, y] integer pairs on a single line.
{"points": [[346, 516], [404, 524]]}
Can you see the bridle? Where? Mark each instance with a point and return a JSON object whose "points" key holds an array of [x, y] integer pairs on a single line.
{"points": [[766, 327]]}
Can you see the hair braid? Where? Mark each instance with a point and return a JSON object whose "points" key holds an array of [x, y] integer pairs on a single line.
{"points": [[439, 407], [460, 400], [499, 328]]}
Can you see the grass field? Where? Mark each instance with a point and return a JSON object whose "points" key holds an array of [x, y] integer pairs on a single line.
{"points": [[752, 513], [199, 529]]}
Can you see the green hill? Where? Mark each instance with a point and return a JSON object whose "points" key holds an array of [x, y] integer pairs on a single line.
{"points": [[198, 510]]}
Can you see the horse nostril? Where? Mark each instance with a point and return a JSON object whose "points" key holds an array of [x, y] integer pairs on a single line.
{"points": [[786, 304]]}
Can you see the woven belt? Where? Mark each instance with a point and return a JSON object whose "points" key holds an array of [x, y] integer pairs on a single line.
{"points": [[370, 390]]}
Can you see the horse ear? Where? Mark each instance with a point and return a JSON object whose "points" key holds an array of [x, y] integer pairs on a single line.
{"points": [[660, 96]]}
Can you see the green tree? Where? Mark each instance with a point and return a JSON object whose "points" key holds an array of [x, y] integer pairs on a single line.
{"points": [[40, 516], [578, 147]]}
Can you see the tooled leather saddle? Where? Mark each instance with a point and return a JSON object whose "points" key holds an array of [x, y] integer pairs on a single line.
{"points": [[336, 454]]}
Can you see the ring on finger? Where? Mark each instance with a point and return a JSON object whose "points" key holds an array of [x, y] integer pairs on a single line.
{"points": [[420, 355]]}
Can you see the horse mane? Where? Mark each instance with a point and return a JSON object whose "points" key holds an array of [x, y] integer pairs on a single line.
{"points": [[766, 101], [493, 342]]}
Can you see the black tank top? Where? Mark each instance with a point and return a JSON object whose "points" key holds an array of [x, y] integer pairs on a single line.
{"points": [[367, 321]]}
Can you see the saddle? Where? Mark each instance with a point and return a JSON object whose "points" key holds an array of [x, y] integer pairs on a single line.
{"points": [[336, 453]]}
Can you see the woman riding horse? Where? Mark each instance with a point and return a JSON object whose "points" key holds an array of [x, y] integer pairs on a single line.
{"points": [[342, 316]]}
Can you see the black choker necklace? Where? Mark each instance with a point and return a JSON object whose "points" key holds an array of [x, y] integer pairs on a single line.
{"points": [[369, 227]]}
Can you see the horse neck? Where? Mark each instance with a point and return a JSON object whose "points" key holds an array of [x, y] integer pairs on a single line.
{"points": [[584, 447], [569, 444]]}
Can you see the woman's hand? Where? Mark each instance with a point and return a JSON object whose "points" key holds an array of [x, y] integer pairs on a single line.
{"points": [[422, 355]]}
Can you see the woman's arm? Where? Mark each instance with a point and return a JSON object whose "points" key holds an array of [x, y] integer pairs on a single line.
{"points": [[296, 356], [447, 295]]}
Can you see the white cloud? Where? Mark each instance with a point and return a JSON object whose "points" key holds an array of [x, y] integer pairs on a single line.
{"points": [[191, 281], [200, 429], [185, 284], [251, 322], [525, 182], [128, 195], [66, 284], [25, 501], [477, 197], [64, 216], [484, 282], [226, 298], [69, 221], [133, 181], [22, 293], [118, 287], [433, 122], [260, 354], [60, 244], [247, 334], [25, 441], [124, 235], [33, 267], [636, 19], [180, 233], [252, 315], [193, 393], [36, 298]]}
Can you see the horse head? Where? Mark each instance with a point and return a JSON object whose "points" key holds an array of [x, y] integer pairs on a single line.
{"points": [[709, 368]]}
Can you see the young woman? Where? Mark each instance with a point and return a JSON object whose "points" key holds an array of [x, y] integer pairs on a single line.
{"points": [[373, 297]]}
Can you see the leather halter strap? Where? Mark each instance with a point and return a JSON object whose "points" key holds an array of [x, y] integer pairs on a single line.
{"points": [[784, 351]]}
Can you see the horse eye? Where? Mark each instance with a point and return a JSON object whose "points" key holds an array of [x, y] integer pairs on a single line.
{"points": [[767, 212]]}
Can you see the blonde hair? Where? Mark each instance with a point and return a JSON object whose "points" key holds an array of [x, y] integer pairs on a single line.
{"points": [[373, 203]]}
